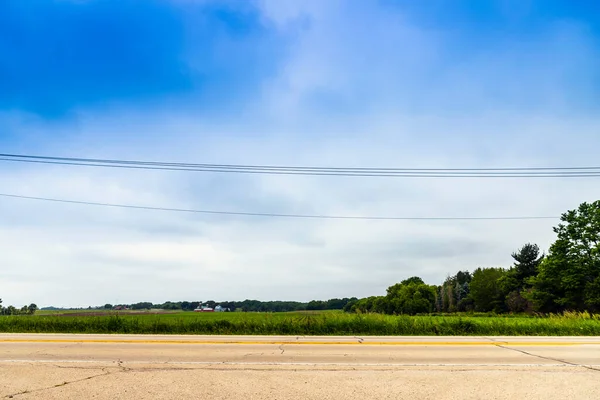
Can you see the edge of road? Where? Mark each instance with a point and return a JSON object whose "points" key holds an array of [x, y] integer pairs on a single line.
{"points": [[303, 340]]}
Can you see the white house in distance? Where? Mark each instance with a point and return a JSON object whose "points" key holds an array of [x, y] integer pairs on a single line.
{"points": [[203, 308]]}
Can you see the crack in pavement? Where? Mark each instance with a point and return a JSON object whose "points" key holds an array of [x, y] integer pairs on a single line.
{"points": [[11, 396], [549, 358], [504, 345], [281, 348], [105, 372]]}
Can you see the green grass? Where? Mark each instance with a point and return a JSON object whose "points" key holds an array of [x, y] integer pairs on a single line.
{"points": [[331, 323]]}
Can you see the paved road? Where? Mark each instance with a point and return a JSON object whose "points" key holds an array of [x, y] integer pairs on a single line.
{"points": [[233, 367]]}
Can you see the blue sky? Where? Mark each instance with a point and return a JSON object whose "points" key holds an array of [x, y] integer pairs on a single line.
{"points": [[322, 82], [64, 55], [60, 56]]}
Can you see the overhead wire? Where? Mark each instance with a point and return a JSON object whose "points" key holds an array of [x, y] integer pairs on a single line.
{"points": [[280, 215], [297, 170], [512, 172]]}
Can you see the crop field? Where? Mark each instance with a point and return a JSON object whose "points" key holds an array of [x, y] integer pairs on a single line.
{"points": [[300, 323]]}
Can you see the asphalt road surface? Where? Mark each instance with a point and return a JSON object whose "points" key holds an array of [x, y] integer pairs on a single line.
{"points": [[253, 368]]}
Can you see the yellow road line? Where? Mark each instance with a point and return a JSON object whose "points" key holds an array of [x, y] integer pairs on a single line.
{"points": [[299, 342]]}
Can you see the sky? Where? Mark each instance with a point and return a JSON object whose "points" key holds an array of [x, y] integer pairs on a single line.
{"points": [[382, 83]]}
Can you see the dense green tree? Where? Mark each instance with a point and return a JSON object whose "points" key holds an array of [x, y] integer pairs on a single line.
{"points": [[339, 304], [413, 279], [167, 305], [448, 303], [349, 306], [268, 306], [486, 290], [453, 295], [517, 303], [369, 305], [411, 296], [11, 310], [461, 293], [331, 304], [316, 305], [463, 277], [592, 295], [515, 284], [569, 277], [144, 305], [527, 260], [439, 303]]}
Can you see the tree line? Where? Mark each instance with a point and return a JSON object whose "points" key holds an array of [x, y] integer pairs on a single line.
{"points": [[11, 310], [246, 305], [565, 279]]}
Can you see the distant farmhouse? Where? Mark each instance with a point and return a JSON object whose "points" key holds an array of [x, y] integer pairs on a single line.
{"points": [[203, 308]]}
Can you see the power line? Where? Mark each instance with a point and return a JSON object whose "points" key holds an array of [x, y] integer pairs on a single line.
{"points": [[582, 174], [288, 167], [515, 172], [256, 214]]}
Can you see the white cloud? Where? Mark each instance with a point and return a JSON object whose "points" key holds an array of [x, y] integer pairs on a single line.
{"points": [[78, 255]]}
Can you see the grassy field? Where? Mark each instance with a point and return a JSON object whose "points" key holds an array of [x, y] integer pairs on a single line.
{"points": [[328, 323]]}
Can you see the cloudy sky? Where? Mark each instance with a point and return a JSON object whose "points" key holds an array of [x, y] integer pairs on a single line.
{"points": [[386, 83]]}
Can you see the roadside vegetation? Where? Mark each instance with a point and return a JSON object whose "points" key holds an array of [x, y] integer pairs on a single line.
{"points": [[323, 323]]}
